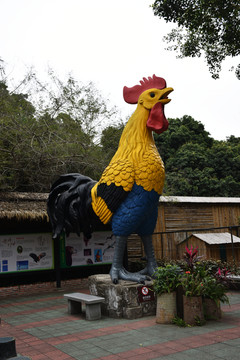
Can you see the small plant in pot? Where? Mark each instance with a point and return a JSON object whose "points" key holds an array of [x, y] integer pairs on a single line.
{"points": [[166, 281], [192, 285], [191, 280], [214, 293], [192, 288]]}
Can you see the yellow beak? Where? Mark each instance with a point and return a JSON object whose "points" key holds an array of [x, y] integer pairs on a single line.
{"points": [[164, 96]]}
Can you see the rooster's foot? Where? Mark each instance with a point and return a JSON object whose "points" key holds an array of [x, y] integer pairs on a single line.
{"points": [[123, 274], [150, 270]]}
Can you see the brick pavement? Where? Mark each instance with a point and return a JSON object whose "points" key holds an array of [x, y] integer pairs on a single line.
{"points": [[43, 330]]}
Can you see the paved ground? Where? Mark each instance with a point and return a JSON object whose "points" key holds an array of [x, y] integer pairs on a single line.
{"points": [[43, 330]]}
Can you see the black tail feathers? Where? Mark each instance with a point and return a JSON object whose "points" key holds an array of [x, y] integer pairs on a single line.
{"points": [[69, 205]]}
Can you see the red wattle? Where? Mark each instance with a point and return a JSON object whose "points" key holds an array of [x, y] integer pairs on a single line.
{"points": [[157, 121]]}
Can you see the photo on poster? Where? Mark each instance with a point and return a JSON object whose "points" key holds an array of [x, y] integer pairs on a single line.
{"points": [[4, 265], [81, 251], [22, 265], [98, 255], [87, 252]]}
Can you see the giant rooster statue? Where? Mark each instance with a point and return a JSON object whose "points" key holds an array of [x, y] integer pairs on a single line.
{"points": [[127, 194]]}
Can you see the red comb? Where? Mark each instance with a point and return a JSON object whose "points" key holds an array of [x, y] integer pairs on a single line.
{"points": [[132, 94]]}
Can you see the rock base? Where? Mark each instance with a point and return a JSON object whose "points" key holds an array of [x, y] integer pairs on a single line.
{"points": [[121, 300]]}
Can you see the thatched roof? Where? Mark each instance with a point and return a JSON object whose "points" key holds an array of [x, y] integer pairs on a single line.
{"points": [[23, 206]]}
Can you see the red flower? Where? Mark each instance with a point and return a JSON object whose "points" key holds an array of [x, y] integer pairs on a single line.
{"points": [[187, 272], [191, 252], [223, 272]]}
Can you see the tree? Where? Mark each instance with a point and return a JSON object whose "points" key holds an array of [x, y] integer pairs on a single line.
{"points": [[51, 132], [224, 157], [110, 139], [196, 164], [181, 131], [211, 27], [188, 173], [16, 124]]}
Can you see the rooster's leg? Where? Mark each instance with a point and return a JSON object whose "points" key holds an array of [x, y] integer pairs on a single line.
{"points": [[117, 264], [118, 272], [149, 251]]}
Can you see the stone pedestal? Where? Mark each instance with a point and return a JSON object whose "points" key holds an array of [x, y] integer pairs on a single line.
{"points": [[122, 300]]}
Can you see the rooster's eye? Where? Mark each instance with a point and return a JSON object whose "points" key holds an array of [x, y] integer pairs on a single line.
{"points": [[152, 94]]}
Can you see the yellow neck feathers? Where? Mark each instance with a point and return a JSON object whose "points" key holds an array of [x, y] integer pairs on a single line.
{"points": [[136, 137]]}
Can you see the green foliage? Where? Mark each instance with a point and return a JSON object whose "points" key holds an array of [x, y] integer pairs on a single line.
{"points": [[199, 322], [166, 279], [192, 284], [214, 289], [197, 165], [209, 27], [110, 139], [179, 322], [51, 131], [182, 131]]}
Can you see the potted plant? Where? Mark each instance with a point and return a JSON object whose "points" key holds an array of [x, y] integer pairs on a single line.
{"points": [[214, 292], [192, 286], [166, 281]]}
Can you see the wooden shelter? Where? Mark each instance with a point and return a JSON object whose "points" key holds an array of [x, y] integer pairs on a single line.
{"points": [[180, 216], [217, 246]]}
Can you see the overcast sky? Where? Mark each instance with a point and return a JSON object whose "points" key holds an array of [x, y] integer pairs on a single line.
{"points": [[116, 43]]}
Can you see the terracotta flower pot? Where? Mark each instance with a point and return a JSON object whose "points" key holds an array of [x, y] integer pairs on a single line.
{"points": [[166, 308], [192, 309], [212, 309]]}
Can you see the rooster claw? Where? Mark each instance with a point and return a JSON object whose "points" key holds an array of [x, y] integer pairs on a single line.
{"points": [[123, 274]]}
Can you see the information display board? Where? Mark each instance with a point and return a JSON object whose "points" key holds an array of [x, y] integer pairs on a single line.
{"points": [[26, 252], [78, 251]]}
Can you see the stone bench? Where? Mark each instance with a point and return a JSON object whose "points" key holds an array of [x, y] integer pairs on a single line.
{"points": [[92, 302]]}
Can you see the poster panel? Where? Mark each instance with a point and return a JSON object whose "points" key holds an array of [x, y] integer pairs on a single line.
{"points": [[78, 251], [26, 252]]}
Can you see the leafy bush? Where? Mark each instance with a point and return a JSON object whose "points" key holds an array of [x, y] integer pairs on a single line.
{"points": [[214, 289], [166, 279], [192, 284]]}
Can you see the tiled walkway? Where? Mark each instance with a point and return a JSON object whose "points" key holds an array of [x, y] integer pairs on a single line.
{"points": [[43, 330]]}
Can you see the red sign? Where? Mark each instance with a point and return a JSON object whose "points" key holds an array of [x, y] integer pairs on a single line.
{"points": [[145, 294]]}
